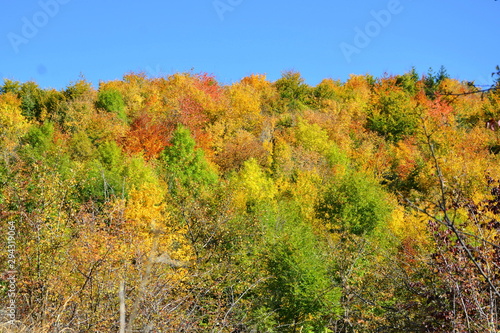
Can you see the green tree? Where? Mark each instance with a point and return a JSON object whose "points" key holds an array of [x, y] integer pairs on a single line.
{"points": [[299, 290], [186, 165], [294, 92], [111, 100], [432, 81], [408, 81], [355, 203], [392, 112], [103, 177]]}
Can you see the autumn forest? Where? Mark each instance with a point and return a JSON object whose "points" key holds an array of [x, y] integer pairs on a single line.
{"points": [[181, 204]]}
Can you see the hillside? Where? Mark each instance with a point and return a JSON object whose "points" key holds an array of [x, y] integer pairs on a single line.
{"points": [[179, 204]]}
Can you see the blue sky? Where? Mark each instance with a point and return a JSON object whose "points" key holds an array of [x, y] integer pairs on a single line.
{"points": [[53, 42]]}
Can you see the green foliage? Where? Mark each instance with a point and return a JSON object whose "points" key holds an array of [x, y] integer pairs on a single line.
{"points": [[38, 104], [138, 172], [185, 164], [103, 177], [111, 100], [293, 91], [355, 204], [432, 81], [393, 115], [31, 96], [408, 81], [299, 289], [110, 154], [40, 137], [81, 146]]}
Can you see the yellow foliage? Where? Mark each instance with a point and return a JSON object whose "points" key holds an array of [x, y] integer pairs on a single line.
{"points": [[265, 90], [406, 156], [244, 112], [218, 134], [253, 185], [258, 81], [355, 93], [282, 157], [261, 85], [104, 126], [306, 193], [409, 227], [12, 123], [146, 207], [149, 218], [312, 137]]}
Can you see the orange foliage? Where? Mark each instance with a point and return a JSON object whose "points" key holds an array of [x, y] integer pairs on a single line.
{"points": [[239, 149], [148, 136], [440, 110]]}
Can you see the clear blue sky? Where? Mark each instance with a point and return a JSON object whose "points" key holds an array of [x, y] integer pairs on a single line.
{"points": [[54, 43]]}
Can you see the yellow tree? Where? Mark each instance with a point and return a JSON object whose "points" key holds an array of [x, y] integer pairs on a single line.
{"points": [[245, 108], [12, 123], [253, 186], [157, 240]]}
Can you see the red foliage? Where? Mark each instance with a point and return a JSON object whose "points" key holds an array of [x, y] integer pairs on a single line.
{"points": [[194, 114], [440, 110], [148, 136], [209, 85]]}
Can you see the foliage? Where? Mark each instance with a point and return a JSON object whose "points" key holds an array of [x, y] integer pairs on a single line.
{"points": [[111, 100], [392, 112], [408, 81], [186, 165], [293, 91], [355, 203], [12, 123], [432, 81], [356, 206]]}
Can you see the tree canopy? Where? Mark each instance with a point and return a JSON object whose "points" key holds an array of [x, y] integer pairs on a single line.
{"points": [[181, 204]]}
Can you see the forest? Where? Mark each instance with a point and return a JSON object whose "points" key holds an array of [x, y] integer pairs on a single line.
{"points": [[181, 204]]}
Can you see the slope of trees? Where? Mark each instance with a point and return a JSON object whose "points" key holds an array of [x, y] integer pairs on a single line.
{"points": [[179, 204]]}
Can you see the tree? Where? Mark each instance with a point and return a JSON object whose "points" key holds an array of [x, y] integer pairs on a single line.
{"points": [[465, 257], [13, 124], [293, 90], [355, 204], [111, 100], [298, 293], [185, 164], [432, 81], [392, 113]]}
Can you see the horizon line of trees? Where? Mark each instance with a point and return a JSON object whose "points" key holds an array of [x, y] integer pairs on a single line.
{"points": [[178, 204]]}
